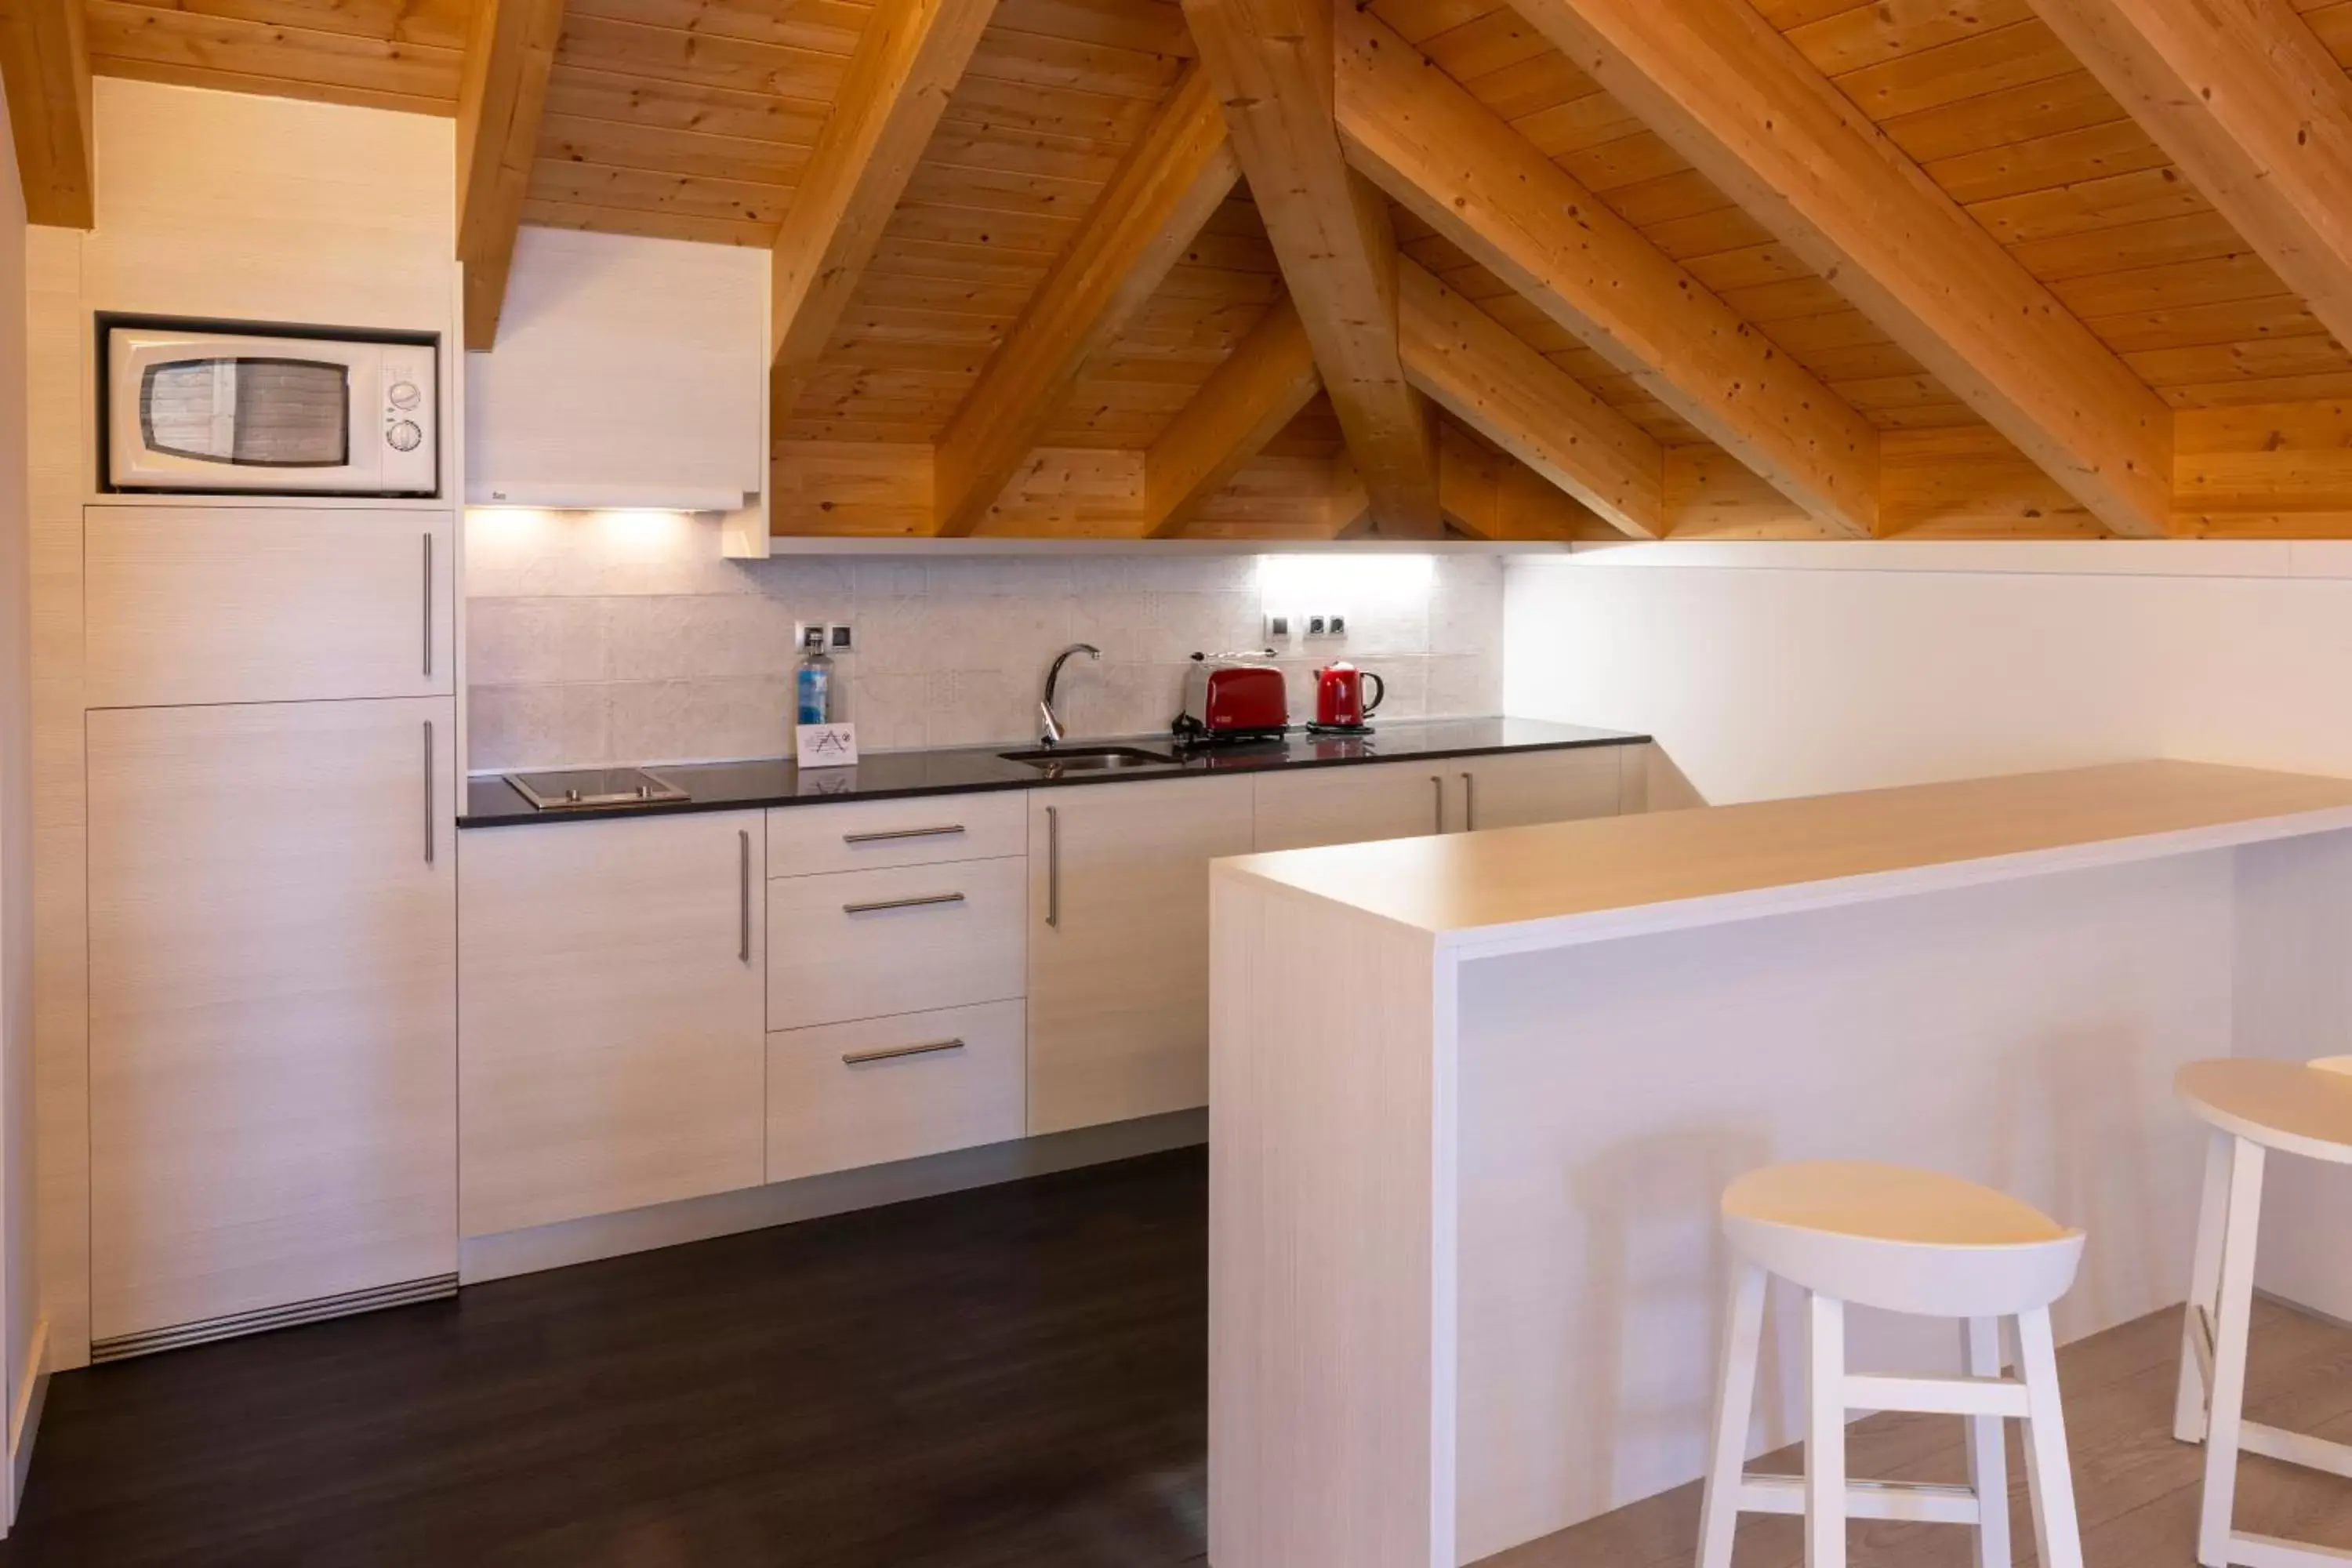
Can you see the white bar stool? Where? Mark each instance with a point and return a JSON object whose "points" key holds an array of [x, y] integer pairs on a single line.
{"points": [[1906, 1241], [2253, 1106]]}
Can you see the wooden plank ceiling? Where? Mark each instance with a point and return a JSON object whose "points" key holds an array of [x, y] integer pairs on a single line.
{"points": [[694, 119]]}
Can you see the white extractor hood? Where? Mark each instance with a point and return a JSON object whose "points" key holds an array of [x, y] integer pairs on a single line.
{"points": [[629, 372]]}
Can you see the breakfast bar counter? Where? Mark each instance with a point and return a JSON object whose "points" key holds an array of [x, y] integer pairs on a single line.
{"points": [[1465, 1270]]}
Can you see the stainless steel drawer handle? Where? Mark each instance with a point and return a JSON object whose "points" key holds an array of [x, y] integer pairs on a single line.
{"points": [[895, 833], [881, 904], [743, 893], [431, 826], [428, 606], [1437, 812], [891, 1053], [1469, 804], [1052, 869]]}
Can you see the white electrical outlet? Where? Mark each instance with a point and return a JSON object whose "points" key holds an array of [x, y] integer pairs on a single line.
{"points": [[1337, 625], [808, 636], [1318, 625]]}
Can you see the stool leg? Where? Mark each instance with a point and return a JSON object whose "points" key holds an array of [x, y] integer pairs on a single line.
{"points": [[1825, 1434], [2058, 1535], [1987, 1448], [2204, 1287], [1734, 1397], [2233, 1323]]}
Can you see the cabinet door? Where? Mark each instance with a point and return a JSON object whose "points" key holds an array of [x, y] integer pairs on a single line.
{"points": [[1349, 805], [612, 1028], [1118, 945], [234, 604], [1536, 786], [273, 1007]]}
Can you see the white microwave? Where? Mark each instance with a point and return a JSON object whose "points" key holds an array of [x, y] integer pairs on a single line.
{"points": [[231, 408]]}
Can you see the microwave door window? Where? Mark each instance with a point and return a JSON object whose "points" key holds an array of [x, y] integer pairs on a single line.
{"points": [[248, 413]]}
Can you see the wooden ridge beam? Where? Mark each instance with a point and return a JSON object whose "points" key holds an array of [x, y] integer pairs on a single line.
{"points": [[1259, 388], [1722, 85], [1483, 185], [1475, 369], [906, 66], [45, 64], [509, 54], [1138, 228], [1272, 61], [2243, 96]]}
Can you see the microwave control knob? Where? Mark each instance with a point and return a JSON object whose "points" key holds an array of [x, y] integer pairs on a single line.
{"points": [[404, 435], [404, 396]]}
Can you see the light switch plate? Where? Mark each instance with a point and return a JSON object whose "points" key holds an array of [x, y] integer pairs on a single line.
{"points": [[1278, 624], [840, 637]]}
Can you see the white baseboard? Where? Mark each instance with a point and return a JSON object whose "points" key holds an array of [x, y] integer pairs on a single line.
{"points": [[32, 1385], [508, 1253]]}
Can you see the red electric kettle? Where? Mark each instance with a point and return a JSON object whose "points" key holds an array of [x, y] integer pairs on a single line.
{"points": [[1340, 701]]}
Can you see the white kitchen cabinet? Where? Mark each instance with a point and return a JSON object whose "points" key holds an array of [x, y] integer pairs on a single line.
{"points": [[1515, 789], [1118, 944], [273, 1012], [845, 1095], [266, 605], [612, 1024], [895, 939], [1349, 805]]}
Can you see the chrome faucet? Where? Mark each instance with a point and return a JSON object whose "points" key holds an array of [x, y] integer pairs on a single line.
{"points": [[1053, 729]]}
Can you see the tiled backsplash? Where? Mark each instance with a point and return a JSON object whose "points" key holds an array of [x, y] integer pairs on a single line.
{"points": [[626, 637]]}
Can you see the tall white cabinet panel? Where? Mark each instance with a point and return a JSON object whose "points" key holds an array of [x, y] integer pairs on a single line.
{"points": [[273, 953], [613, 1010], [266, 605], [1316, 807], [1517, 789], [1118, 945]]}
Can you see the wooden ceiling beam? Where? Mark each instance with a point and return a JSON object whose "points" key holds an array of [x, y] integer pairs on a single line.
{"points": [[1138, 228], [1246, 401], [509, 54], [906, 66], [2243, 96], [45, 64], [1271, 63], [1722, 85], [1491, 495], [1475, 369], [1483, 185]]}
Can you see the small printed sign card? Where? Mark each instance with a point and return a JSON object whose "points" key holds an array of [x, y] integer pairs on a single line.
{"points": [[828, 745]]}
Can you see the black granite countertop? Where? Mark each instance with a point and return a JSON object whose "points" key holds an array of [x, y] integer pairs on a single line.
{"points": [[491, 802]]}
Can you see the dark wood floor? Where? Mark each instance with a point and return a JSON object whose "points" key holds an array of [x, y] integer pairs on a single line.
{"points": [[1011, 1376]]}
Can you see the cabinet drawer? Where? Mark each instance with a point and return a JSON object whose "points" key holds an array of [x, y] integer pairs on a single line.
{"points": [[892, 1089], [860, 945], [856, 835]]}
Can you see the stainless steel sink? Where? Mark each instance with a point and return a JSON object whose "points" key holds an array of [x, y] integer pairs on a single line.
{"points": [[1088, 759]]}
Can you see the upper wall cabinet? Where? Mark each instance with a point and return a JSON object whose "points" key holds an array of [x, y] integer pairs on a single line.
{"points": [[629, 373]]}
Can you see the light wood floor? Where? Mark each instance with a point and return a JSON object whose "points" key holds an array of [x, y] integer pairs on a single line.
{"points": [[2137, 1488]]}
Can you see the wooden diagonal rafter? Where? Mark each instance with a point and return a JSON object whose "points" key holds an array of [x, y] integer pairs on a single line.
{"points": [[1479, 371], [1259, 388], [45, 64], [1137, 230], [1270, 60], [2249, 103], [907, 65], [1483, 185], [509, 54], [1728, 92]]}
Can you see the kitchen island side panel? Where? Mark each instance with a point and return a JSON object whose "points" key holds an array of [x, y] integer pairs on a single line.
{"points": [[1330, 1277], [2022, 1034]]}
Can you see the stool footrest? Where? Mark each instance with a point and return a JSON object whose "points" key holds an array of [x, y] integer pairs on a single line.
{"points": [[1936, 1395], [2270, 1551], [2295, 1448], [1920, 1503]]}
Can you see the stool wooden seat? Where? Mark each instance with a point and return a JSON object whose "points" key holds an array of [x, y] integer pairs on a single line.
{"points": [[2253, 1106], [1906, 1241]]}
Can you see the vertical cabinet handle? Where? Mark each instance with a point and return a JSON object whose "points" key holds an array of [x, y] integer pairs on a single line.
{"points": [[430, 789], [1437, 803], [428, 606], [1469, 804], [1053, 867], [743, 883]]}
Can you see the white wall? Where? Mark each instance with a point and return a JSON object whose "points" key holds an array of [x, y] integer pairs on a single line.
{"points": [[19, 1299], [1779, 669]]}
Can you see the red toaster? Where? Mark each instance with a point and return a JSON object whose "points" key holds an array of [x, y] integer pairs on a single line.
{"points": [[1225, 700]]}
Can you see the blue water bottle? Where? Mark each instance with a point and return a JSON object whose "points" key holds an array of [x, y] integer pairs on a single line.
{"points": [[814, 689]]}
